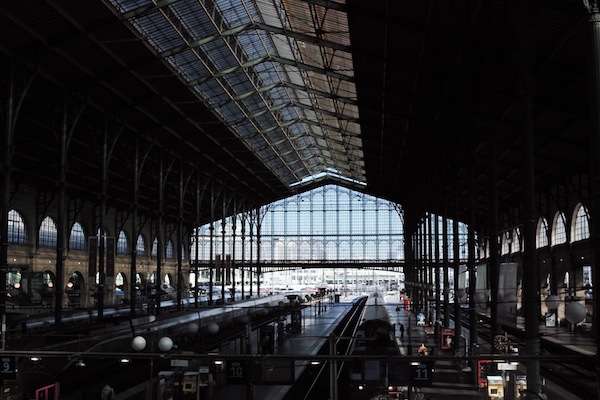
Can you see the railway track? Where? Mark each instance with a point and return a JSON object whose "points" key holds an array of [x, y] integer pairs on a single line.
{"points": [[313, 383]]}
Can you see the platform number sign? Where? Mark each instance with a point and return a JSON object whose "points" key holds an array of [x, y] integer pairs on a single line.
{"points": [[236, 372], [8, 368], [420, 373]]}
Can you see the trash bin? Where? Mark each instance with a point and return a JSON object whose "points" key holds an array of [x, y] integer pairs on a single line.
{"points": [[337, 298]]}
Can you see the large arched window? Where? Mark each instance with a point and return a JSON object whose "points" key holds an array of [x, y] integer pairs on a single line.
{"points": [[516, 241], [154, 251], [541, 238], [140, 245], [506, 240], [47, 234], [580, 229], [122, 243], [17, 232], [77, 237], [169, 252], [559, 229]]}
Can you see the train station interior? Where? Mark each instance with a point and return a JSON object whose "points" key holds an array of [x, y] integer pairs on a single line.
{"points": [[193, 191]]}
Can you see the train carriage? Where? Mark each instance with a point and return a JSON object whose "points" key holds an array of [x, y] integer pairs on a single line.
{"points": [[374, 336]]}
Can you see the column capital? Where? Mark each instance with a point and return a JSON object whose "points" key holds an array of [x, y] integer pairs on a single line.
{"points": [[592, 6]]}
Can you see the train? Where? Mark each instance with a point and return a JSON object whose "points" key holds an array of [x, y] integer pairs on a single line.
{"points": [[129, 348], [374, 336], [118, 322]]}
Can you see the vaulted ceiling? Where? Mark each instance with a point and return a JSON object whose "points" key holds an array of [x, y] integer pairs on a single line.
{"points": [[420, 102]]}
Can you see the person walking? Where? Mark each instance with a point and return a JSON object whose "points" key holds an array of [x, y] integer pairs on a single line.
{"points": [[401, 331]]}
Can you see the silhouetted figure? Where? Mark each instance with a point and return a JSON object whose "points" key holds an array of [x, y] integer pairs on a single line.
{"points": [[108, 393]]}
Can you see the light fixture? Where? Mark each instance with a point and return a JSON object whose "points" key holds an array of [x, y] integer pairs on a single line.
{"points": [[218, 362], [125, 360], [35, 358], [80, 363], [165, 344]]}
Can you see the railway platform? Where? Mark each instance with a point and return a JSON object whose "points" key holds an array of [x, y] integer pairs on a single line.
{"points": [[450, 379], [318, 323]]}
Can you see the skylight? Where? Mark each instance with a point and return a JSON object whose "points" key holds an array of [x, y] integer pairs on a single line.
{"points": [[277, 73]]}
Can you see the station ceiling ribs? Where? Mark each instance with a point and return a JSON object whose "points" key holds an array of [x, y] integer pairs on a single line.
{"points": [[270, 98]]}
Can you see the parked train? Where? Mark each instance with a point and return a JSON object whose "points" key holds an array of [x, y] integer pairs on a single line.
{"points": [[118, 323], [374, 336]]}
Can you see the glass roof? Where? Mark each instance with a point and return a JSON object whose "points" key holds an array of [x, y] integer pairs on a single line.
{"points": [[277, 73]]}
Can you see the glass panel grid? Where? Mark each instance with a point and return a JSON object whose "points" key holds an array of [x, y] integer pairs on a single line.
{"points": [[230, 72], [47, 234], [17, 233], [77, 237]]}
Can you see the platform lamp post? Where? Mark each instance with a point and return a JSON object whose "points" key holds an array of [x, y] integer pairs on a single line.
{"points": [[553, 302], [165, 344], [575, 313]]}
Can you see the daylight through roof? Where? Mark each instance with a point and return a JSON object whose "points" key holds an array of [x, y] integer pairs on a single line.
{"points": [[278, 74]]}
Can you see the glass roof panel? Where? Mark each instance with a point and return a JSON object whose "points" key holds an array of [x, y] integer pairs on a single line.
{"points": [[277, 72]]}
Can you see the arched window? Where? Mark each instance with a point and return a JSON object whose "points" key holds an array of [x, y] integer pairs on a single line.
{"points": [[169, 252], [77, 237], [516, 241], [154, 251], [122, 243], [506, 240], [140, 245], [541, 238], [47, 234], [559, 231], [17, 232], [580, 228]]}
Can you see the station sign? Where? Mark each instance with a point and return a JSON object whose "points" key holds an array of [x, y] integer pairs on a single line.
{"points": [[504, 366], [420, 373], [260, 372], [180, 363], [236, 372], [8, 368]]}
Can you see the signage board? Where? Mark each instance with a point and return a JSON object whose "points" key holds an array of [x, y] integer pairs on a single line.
{"points": [[420, 373], [8, 368], [180, 363], [236, 372], [447, 339], [507, 366]]}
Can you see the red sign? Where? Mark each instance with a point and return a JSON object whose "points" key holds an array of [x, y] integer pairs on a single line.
{"points": [[447, 339], [483, 370]]}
